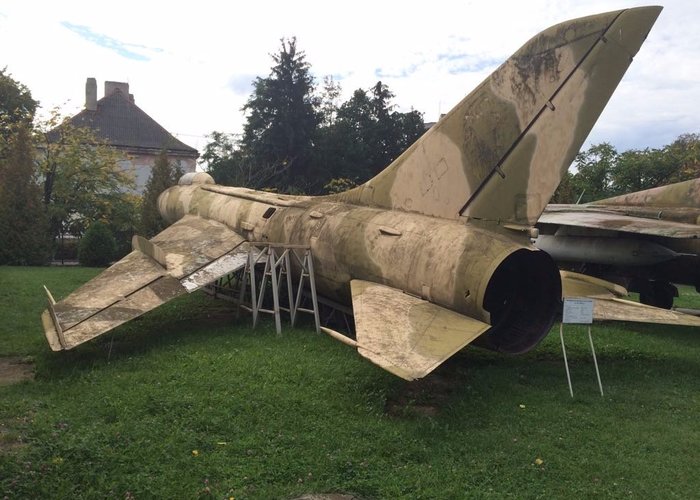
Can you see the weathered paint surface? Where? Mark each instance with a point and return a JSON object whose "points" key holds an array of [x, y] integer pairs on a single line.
{"points": [[435, 251], [634, 220], [404, 334], [513, 137], [445, 261], [139, 282], [681, 195], [671, 211]]}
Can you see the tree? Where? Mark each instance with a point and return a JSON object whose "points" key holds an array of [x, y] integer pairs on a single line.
{"points": [[301, 142], [595, 166], [636, 170], [329, 97], [368, 134], [685, 153], [82, 179], [23, 224], [565, 192], [124, 220], [226, 161], [218, 156], [601, 171], [282, 121], [17, 107], [163, 175]]}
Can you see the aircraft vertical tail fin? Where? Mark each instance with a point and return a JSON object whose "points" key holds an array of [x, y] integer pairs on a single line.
{"points": [[501, 152]]}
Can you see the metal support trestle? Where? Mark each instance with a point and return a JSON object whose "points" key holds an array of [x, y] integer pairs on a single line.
{"points": [[280, 263]]}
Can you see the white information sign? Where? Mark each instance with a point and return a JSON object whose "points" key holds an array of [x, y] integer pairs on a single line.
{"points": [[578, 310]]}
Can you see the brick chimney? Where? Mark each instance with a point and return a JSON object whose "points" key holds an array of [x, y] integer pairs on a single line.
{"points": [[112, 87], [122, 87], [91, 94]]}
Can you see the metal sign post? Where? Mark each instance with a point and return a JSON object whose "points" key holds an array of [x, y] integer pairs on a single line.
{"points": [[578, 311]]}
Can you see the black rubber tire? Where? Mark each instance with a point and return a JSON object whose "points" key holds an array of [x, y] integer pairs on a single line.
{"points": [[659, 294]]}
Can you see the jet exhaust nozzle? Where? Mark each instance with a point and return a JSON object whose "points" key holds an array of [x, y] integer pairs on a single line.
{"points": [[523, 297]]}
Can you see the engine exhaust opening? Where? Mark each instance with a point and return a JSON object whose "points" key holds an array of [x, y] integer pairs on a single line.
{"points": [[523, 297]]}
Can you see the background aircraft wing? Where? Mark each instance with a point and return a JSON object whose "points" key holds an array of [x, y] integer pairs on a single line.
{"points": [[405, 335], [609, 221], [609, 306], [184, 257]]}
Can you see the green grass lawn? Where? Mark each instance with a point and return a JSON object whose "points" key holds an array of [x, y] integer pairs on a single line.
{"points": [[189, 402]]}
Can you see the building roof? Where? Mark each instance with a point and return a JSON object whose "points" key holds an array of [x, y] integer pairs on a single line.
{"points": [[125, 125]]}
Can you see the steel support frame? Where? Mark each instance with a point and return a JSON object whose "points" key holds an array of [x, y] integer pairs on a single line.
{"points": [[278, 268]]}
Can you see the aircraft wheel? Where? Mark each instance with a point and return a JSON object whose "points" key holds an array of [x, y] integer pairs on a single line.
{"points": [[659, 294]]}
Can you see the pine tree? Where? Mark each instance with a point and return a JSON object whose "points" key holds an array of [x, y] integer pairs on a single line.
{"points": [[17, 107], [368, 133], [163, 175], [24, 234], [283, 119]]}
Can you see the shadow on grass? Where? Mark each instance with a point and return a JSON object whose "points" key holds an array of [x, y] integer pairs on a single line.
{"points": [[473, 373], [487, 378], [184, 321]]}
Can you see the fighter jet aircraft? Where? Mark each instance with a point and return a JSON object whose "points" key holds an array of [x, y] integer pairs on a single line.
{"points": [[645, 241], [434, 252]]}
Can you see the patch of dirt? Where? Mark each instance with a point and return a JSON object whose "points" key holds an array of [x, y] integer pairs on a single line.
{"points": [[421, 398], [15, 369], [10, 441]]}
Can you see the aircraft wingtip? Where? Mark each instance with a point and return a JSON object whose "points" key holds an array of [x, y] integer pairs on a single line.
{"points": [[50, 331]]}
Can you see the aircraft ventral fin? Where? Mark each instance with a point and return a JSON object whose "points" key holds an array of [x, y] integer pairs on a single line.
{"points": [[609, 306], [405, 335], [181, 259], [501, 152]]}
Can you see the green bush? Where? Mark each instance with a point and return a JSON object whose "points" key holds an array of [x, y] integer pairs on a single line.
{"points": [[97, 247]]}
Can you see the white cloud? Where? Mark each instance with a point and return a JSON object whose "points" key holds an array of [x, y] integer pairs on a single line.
{"points": [[430, 54]]}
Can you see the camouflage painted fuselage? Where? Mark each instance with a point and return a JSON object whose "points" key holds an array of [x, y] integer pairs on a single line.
{"points": [[446, 262]]}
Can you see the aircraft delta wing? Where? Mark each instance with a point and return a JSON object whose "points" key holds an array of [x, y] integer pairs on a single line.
{"points": [[434, 253], [645, 240]]}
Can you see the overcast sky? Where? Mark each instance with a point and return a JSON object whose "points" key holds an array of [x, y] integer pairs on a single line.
{"points": [[190, 64]]}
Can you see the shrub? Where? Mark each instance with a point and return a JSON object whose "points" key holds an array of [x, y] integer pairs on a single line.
{"points": [[97, 247]]}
